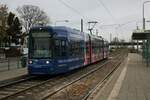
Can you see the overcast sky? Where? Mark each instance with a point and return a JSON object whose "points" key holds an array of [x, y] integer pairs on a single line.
{"points": [[127, 13]]}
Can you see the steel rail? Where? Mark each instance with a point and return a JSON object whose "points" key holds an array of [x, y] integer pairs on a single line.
{"points": [[26, 88], [100, 83], [16, 81], [44, 82], [78, 79], [70, 83]]}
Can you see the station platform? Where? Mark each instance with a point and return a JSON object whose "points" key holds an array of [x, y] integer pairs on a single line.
{"points": [[11, 74], [131, 81]]}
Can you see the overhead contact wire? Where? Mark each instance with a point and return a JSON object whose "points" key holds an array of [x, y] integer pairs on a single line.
{"points": [[108, 11]]}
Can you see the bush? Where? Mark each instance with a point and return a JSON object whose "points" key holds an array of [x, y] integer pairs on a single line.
{"points": [[23, 61]]}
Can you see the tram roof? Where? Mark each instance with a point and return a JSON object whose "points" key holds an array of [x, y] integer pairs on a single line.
{"points": [[63, 30]]}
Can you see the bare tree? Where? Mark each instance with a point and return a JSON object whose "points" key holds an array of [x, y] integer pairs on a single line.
{"points": [[32, 15]]}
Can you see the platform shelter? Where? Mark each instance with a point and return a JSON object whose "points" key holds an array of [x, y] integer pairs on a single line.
{"points": [[143, 36]]}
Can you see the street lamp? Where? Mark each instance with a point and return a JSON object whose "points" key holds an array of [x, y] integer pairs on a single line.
{"points": [[143, 14], [61, 21]]}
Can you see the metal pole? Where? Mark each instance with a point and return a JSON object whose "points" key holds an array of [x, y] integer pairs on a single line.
{"points": [[81, 25], [110, 37], [144, 13], [143, 51], [8, 64], [137, 46], [18, 58], [143, 18]]}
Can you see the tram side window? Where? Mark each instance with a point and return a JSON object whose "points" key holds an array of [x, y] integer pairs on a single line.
{"points": [[94, 46], [87, 48], [81, 49], [97, 47], [63, 48], [57, 48], [101, 45], [60, 48], [70, 48], [75, 48]]}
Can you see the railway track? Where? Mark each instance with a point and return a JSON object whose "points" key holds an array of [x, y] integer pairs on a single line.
{"points": [[45, 88], [15, 80], [66, 85], [12, 89], [103, 81], [51, 95]]}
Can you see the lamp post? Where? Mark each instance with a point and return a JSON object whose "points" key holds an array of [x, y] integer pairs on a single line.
{"points": [[143, 14], [61, 21]]}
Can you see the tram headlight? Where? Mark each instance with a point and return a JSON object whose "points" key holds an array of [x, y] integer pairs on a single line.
{"points": [[47, 62], [30, 62]]}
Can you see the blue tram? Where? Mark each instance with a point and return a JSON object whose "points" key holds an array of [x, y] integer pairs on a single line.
{"points": [[54, 50]]}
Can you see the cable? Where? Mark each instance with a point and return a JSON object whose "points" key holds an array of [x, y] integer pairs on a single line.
{"points": [[100, 1], [68, 6], [118, 25]]}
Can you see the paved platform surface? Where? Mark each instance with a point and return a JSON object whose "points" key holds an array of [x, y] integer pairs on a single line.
{"points": [[6, 75], [130, 82]]}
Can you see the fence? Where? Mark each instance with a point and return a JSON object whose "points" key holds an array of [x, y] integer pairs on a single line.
{"points": [[10, 63], [146, 51]]}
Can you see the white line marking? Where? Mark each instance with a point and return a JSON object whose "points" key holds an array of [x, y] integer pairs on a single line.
{"points": [[115, 91]]}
